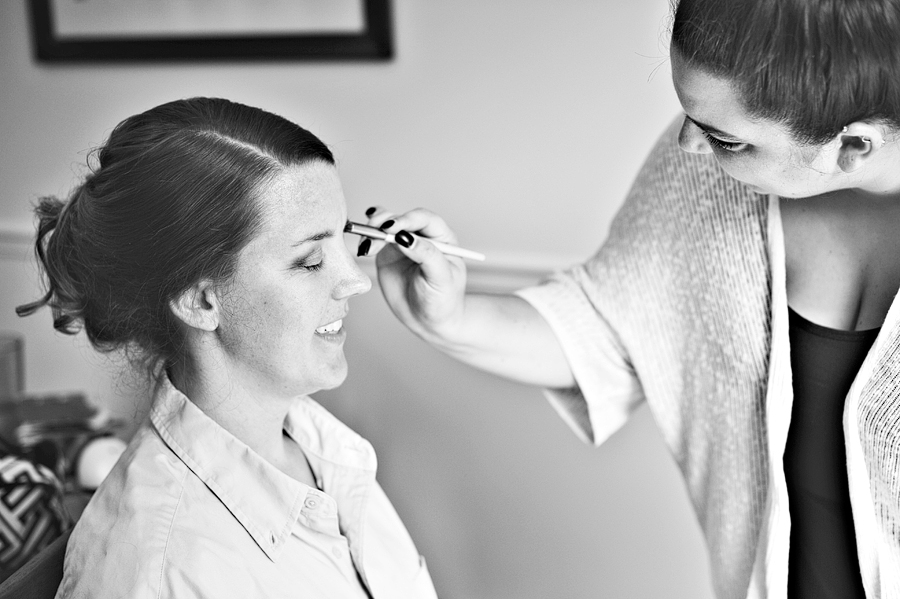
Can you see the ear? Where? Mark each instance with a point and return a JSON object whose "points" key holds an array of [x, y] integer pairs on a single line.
{"points": [[859, 141], [198, 306]]}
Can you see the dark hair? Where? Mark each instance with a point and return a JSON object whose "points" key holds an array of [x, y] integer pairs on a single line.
{"points": [[171, 201], [811, 65]]}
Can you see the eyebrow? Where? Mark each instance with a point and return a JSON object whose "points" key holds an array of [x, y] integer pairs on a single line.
{"points": [[316, 237], [710, 128]]}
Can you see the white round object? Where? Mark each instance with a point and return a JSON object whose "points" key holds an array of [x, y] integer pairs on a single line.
{"points": [[96, 459]]}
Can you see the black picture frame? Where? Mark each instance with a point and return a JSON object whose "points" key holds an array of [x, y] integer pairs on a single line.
{"points": [[373, 43]]}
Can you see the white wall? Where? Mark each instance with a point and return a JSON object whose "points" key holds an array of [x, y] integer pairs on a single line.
{"points": [[522, 122]]}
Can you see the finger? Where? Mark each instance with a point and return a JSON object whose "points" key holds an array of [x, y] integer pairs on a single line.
{"points": [[377, 215], [366, 246], [421, 222], [434, 264], [369, 247]]}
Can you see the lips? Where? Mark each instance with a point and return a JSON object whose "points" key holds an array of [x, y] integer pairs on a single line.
{"points": [[331, 328]]}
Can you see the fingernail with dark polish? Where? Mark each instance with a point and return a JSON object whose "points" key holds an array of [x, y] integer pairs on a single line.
{"points": [[364, 247], [386, 225], [404, 238], [370, 211]]}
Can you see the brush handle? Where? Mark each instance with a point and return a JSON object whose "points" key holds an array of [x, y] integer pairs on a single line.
{"points": [[445, 248], [455, 250]]}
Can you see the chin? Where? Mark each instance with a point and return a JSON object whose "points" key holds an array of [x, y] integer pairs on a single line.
{"points": [[322, 378], [337, 374], [332, 385]]}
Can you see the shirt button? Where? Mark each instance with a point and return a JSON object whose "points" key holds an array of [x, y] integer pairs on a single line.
{"points": [[311, 503], [336, 552], [272, 538]]}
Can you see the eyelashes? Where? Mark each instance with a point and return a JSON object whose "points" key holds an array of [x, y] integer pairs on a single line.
{"points": [[311, 263], [727, 146]]}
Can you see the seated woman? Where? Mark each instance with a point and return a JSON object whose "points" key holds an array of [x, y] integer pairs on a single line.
{"points": [[208, 245]]}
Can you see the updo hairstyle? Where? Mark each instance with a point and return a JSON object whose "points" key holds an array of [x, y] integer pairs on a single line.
{"points": [[811, 65], [171, 201]]}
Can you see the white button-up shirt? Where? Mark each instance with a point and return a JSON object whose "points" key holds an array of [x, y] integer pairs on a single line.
{"points": [[191, 511]]}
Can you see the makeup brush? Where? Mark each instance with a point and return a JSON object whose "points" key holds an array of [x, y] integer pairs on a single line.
{"points": [[446, 248]]}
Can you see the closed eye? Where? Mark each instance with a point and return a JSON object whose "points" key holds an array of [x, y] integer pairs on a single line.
{"points": [[311, 267], [311, 263], [728, 146]]}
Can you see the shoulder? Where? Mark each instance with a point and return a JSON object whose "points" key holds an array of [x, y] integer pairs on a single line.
{"points": [[687, 231], [154, 529], [684, 201], [676, 183], [118, 547]]}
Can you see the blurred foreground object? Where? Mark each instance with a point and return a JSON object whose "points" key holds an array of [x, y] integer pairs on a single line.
{"points": [[32, 514]]}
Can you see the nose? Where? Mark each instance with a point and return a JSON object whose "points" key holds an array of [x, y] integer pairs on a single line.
{"points": [[691, 139], [353, 281]]}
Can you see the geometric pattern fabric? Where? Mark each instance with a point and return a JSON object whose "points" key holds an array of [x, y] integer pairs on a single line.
{"points": [[31, 511]]}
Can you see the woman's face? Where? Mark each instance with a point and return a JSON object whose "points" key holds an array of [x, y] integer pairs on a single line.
{"points": [[760, 153], [281, 317]]}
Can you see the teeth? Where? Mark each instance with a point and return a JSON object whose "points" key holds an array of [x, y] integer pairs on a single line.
{"points": [[334, 327]]}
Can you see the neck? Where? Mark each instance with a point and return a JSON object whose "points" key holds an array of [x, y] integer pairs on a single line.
{"points": [[249, 412]]}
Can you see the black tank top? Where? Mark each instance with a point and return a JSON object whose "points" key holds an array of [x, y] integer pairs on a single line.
{"points": [[823, 560]]}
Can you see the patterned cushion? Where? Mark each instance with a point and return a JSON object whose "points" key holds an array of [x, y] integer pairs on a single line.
{"points": [[32, 514]]}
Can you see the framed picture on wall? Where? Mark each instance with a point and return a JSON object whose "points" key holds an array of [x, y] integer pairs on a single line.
{"points": [[160, 30]]}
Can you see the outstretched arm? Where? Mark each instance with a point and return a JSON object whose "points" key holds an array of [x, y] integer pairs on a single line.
{"points": [[501, 334]]}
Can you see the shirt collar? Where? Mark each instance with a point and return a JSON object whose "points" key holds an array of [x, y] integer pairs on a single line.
{"points": [[263, 499], [326, 441]]}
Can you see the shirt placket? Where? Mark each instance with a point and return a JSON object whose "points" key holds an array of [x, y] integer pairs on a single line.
{"points": [[319, 516]]}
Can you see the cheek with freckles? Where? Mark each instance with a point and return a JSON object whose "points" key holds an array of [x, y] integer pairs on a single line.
{"points": [[254, 331], [242, 331]]}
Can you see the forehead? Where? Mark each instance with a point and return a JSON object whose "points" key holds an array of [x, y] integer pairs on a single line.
{"points": [[301, 199], [298, 203], [715, 102], [298, 190], [703, 96]]}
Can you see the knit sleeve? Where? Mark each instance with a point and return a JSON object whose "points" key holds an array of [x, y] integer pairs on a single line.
{"points": [[606, 390], [576, 304], [675, 310], [672, 308]]}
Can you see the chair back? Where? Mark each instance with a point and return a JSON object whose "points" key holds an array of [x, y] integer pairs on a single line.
{"points": [[40, 576]]}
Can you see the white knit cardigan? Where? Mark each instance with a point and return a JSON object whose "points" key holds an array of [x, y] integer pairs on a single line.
{"points": [[685, 306]]}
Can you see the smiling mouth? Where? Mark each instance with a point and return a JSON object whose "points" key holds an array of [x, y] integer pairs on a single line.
{"points": [[331, 328]]}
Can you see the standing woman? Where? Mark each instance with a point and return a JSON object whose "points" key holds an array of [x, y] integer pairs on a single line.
{"points": [[208, 244], [746, 291]]}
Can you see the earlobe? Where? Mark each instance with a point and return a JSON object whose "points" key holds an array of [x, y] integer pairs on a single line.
{"points": [[198, 306], [847, 161]]}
